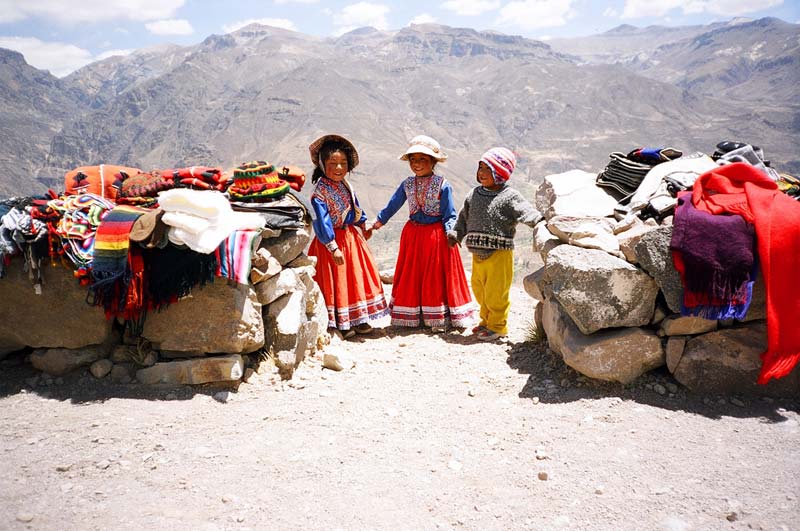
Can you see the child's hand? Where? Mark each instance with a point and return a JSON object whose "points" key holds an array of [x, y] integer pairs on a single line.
{"points": [[452, 241], [338, 257], [367, 230]]}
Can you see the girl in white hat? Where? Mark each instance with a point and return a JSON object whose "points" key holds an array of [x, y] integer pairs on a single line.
{"points": [[346, 271], [430, 286]]}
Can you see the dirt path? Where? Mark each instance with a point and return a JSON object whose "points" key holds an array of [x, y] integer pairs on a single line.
{"points": [[425, 432]]}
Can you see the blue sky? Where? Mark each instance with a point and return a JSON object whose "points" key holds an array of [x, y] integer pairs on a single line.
{"points": [[61, 36]]}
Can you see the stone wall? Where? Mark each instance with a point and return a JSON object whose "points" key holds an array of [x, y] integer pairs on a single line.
{"points": [[609, 299], [214, 334]]}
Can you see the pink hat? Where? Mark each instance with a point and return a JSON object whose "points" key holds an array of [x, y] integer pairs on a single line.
{"points": [[501, 161]]}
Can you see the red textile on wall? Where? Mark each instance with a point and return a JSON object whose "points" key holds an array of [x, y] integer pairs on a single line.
{"points": [[742, 189]]}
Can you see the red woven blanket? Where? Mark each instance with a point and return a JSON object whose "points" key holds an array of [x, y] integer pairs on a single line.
{"points": [[742, 189]]}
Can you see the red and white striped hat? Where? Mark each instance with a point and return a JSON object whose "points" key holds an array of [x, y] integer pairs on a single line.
{"points": [[501, 161]]}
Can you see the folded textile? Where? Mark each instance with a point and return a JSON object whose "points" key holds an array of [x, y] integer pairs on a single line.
{"points": [[655, 185], [80, 215], [141, 185], [234, 255], [715, 257], [209, 238], [624, 173], [211, 205], [198, 177], [740, 188], [750, 155], [288, 212], [187, 222]]}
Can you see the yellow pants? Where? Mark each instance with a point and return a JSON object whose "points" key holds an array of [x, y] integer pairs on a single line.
{"points": [[491, 284]]}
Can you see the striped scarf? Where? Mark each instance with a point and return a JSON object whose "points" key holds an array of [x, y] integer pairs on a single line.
{"points": [[235, 253], [118, 275]]}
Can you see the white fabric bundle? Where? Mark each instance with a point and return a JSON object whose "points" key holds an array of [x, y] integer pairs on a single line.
{"points": [[202, 219]]}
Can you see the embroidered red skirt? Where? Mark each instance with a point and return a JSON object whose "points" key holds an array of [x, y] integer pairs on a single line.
{"points": [[430, 286], [353, 291]]}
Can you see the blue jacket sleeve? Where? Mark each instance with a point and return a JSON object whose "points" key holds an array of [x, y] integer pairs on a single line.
{"points": [[323, 226], [394, 204], [448, 207]]}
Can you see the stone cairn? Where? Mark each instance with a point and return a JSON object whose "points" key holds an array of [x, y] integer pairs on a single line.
{"points": [[610, 298], [221, 332]]}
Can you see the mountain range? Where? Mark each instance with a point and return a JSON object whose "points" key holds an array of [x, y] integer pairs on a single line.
{"points": [[266, 93]]}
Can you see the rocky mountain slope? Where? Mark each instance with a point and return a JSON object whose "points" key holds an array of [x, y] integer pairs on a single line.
{"points": [[266, 93], [743, 60], [34, 106]]}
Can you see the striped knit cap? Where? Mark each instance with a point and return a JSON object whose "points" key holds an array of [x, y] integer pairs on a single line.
{"points": [[501, 161]]}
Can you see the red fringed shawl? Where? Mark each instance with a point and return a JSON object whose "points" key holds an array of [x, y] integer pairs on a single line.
{"points": [[742, 189]]}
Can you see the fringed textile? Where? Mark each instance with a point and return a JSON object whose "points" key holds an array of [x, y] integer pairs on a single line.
{"points": [[715, 257], [740, 188]]}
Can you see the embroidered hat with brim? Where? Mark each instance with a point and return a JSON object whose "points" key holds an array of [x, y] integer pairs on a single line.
{"points": [[426, 145], [317, 144]]}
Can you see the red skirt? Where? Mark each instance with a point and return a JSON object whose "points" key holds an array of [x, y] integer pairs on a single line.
{"points": [[353, 291], [430, 285]]}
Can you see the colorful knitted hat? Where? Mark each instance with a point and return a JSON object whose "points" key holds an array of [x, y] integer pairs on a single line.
{"points": [[257, 179], [501, 161]]}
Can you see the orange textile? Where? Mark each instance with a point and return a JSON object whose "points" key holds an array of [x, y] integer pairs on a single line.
{"points": [[98, 180]]}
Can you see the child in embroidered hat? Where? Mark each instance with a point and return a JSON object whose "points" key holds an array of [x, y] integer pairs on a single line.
{"points": [[430, 285], [487, 222], [346, 271]]}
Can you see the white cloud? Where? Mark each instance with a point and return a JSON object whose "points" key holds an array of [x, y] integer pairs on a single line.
{"points": [[279, 2], [610, 12], [423, 18], [170, 27], [535, 14], [88, 10], [728, 8], [359, 15], [114, 53], [59, 58], [470, 8], [11, 11], [274, 22]]}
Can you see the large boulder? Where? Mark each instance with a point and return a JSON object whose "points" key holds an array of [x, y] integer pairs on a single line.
{"points": [[287, 281], [573, 193], [619, 355], [58, 318], [220, 317], [588, 232], [727, 362], [288, 246], [532, 284], [653, 255], [60, 361], [598, 290], [544, 241]]}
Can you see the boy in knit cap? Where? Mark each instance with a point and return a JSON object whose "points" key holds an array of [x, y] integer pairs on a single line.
{"points": [[487, 224]]}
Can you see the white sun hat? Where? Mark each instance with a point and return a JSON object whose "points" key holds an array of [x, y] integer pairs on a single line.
{"points": [[426, 145]]}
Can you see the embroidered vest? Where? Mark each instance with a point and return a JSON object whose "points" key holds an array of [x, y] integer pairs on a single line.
{"points": [[424, 194], [339, 198]]}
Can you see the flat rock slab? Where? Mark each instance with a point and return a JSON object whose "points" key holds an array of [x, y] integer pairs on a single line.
{"points": [[195, 371]]}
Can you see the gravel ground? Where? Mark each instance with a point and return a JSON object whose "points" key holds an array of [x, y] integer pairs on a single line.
{"points": [[424, 432]]}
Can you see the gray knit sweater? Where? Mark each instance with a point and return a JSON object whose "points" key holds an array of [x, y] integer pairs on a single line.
{"points": [[488, 220]]}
